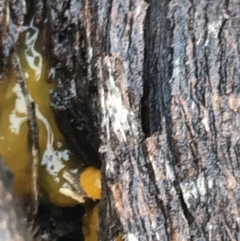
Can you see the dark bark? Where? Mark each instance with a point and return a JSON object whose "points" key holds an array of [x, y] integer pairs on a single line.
{"points": [[173, 184], [151, 94], [58, 223], [180, 181]]}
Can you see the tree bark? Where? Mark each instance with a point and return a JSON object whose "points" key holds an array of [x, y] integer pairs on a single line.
{"points": [[149, 91], [160, 83]]}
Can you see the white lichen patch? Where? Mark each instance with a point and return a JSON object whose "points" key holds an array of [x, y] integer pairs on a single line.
{"points": [[205, 123], [19, 113], [189, 191], [116, 112], [201, 184], [132, 237], [193, 190], [213, 30], [169, 172]]}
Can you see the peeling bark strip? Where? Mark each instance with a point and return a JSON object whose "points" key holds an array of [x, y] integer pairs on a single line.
{"points": [[33, 133]]}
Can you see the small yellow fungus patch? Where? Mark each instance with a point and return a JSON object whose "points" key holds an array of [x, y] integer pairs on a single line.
{"points": [[55, 157], [119, 237], [90, 181], [90, 223]]}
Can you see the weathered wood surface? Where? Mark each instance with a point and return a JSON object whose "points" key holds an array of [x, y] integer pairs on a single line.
{"points": [[150, 91], [11, 21], [170, 168]]}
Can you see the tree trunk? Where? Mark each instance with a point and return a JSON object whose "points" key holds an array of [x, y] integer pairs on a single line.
{"points": [[150, 92]]}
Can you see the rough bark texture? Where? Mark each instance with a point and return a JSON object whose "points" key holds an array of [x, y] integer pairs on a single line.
{"points": [[149, 91], [196, 165], [170, 168], [11, 21]]}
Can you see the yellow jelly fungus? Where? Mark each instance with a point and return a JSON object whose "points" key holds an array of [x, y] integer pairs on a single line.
{"points": [[90, 181], [119, 237], [55, 157], [90, 223], [13, 144]]}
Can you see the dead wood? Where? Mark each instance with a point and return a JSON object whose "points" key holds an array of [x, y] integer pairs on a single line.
{"points": [[149, 91], [165, 102]]}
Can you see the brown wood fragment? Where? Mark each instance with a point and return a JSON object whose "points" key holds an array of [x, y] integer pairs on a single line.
{"points": [[33, 133]]}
